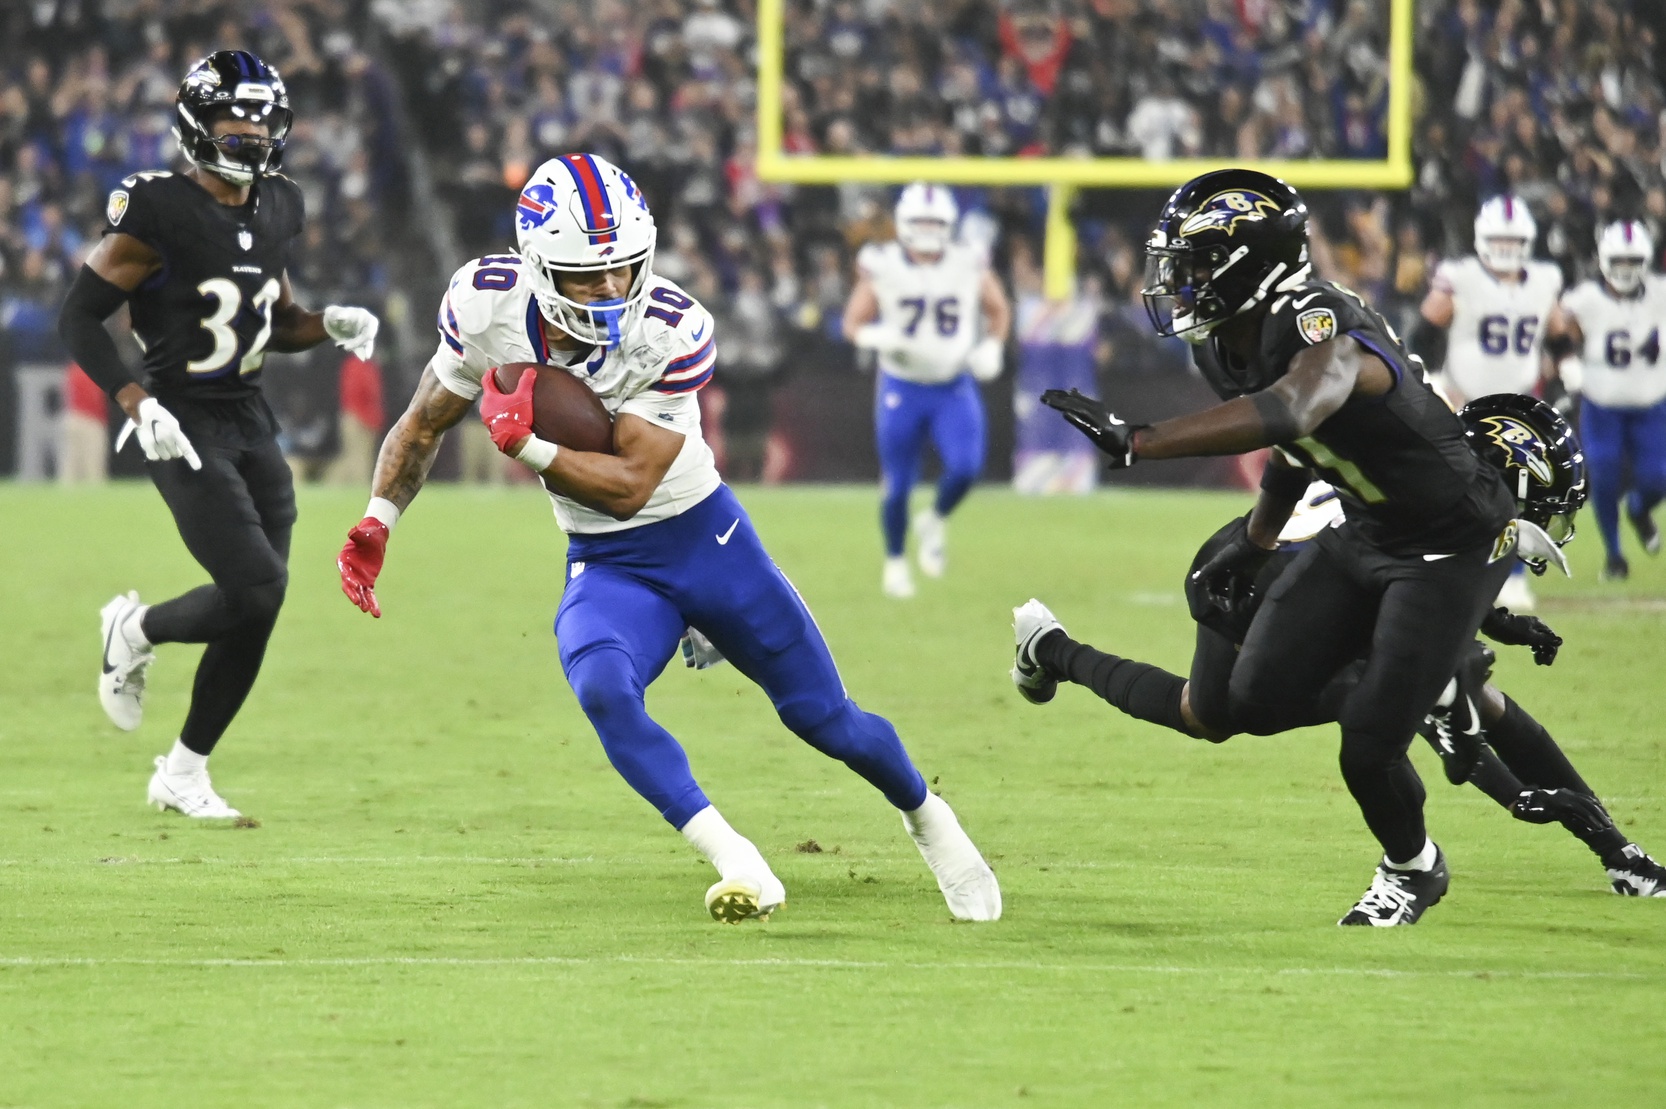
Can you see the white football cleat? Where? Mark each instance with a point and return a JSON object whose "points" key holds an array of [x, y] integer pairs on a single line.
{"points": [[121, 679], [1516, 595], [189, 794], [933, 533], [1031, 623], [968, 885], [897, 582], [745, 897]]}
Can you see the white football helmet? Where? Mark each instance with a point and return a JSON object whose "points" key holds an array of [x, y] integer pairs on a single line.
{"points": [[926, 217], [1623, 252], [580, 213], [1504, 234]]}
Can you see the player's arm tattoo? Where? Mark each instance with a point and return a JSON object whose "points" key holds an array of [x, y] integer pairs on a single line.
{"points": [[1319, 381], [293, 327], [618, 484], [408, 452]]}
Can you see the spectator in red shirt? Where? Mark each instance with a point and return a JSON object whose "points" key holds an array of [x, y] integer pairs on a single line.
{"points": [[361, 422], [84, 432]]}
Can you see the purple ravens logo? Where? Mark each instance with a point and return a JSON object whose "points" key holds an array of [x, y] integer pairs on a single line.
{"points": [[536, 205], [1225, 209], [1522, 446]]}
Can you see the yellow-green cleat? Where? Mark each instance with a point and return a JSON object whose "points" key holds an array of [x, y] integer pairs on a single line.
{"points": [[733, 900]]}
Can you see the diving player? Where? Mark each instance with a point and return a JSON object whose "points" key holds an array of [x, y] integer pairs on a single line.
{"points": [[917, 305], [1622, 377], [200, 258], [1519, 765], [656, 542], [1306, 366], [1492, 310]]}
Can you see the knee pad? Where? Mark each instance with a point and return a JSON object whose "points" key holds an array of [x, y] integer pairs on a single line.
{"points": [[256, 604]]}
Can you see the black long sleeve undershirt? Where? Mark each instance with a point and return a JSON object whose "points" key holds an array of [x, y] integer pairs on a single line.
{"points": [[90, 302]]}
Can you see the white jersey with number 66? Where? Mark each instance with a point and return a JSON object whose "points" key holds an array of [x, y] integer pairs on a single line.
{"points": [[1497, 329]]}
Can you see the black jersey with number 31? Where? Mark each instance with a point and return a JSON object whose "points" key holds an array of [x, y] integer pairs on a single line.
{"points": [[1408, 483], [205, 317]]}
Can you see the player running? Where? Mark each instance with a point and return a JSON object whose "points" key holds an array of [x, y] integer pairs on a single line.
{"points": [[1622, 378], [917, 305], [1315, 372], [1490, 312], [199, 257], [657, 543], [1482, 736]]}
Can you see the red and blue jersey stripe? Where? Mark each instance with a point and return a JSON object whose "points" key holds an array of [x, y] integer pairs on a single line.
{"points": [[688, 373], [600, 221], [447, 322]]}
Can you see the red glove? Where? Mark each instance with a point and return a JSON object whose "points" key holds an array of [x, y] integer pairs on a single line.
{"points": [[360, 561], [508, 416]]}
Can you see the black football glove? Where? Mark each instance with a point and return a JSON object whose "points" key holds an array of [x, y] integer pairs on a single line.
{"points": [[1517, 630], [1233, 567], [1112, 436], [1579, 813]]}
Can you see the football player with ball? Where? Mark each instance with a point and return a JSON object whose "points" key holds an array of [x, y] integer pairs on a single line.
{"points": [[657, 543]]}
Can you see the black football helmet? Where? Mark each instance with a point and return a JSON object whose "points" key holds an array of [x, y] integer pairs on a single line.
{"points": [[1538, 453], [1224, 241], [234, 84]]}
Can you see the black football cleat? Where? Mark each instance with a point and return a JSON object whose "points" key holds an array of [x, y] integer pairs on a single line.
{"points": [[1400, 896], [1633, 873], [1456, 728], [1616, 569], [1648, 532]]}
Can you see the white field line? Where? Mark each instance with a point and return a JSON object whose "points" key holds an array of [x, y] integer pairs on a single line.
{"points": [[47, 962]]}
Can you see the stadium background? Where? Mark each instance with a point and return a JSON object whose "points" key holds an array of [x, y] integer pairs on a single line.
{"points": [[417, 122]]}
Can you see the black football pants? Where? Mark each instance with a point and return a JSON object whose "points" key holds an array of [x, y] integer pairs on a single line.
{"points": [[1408, 617], [235, 515]]}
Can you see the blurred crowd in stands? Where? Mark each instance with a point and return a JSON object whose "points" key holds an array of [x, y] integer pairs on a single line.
{"points": [[1559, 101]]}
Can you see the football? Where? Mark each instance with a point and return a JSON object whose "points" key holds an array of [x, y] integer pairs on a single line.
{"points": [[564, 409]]}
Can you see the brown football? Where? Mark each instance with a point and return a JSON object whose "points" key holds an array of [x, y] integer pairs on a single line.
{"points": [[564, 409]]}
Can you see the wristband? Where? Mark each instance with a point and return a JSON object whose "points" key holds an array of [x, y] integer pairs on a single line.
{"points": [[537, 453], [382, 509]]}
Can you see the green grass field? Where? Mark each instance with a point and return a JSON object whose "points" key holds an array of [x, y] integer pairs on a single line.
{"points": [[451, 899]]}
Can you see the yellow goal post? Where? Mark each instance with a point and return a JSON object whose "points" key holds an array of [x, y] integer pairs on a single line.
{"points": [[1062, 176]]}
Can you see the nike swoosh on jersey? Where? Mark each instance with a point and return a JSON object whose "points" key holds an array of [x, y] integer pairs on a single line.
{"points": [[698, 335], [1436, 557], [1300, 303], [723, 540]]}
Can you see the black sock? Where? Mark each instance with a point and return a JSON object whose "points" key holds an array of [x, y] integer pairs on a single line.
{"points": [[1139, 689], [1533, 756]]}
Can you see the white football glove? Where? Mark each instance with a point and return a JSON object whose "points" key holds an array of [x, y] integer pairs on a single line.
{"points": [[698, 652], [985, 359], [353, 329], [877, 338], [160, 436]]}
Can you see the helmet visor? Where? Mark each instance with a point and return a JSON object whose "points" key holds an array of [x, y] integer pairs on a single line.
{"points": [[1178, 295]]}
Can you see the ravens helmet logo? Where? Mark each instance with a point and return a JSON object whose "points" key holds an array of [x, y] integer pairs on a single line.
{"points": [[1522, 445], [1227, 209]]}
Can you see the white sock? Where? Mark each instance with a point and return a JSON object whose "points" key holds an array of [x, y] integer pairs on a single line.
{"points": [[133, 629], [933, 810], [1424, 860], [896, 560], [183, 760], [727, 850]]}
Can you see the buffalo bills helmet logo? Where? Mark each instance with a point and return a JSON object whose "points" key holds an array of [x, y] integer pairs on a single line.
{"points": [[1522, 445], [1225, 209], [536, 205]]}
